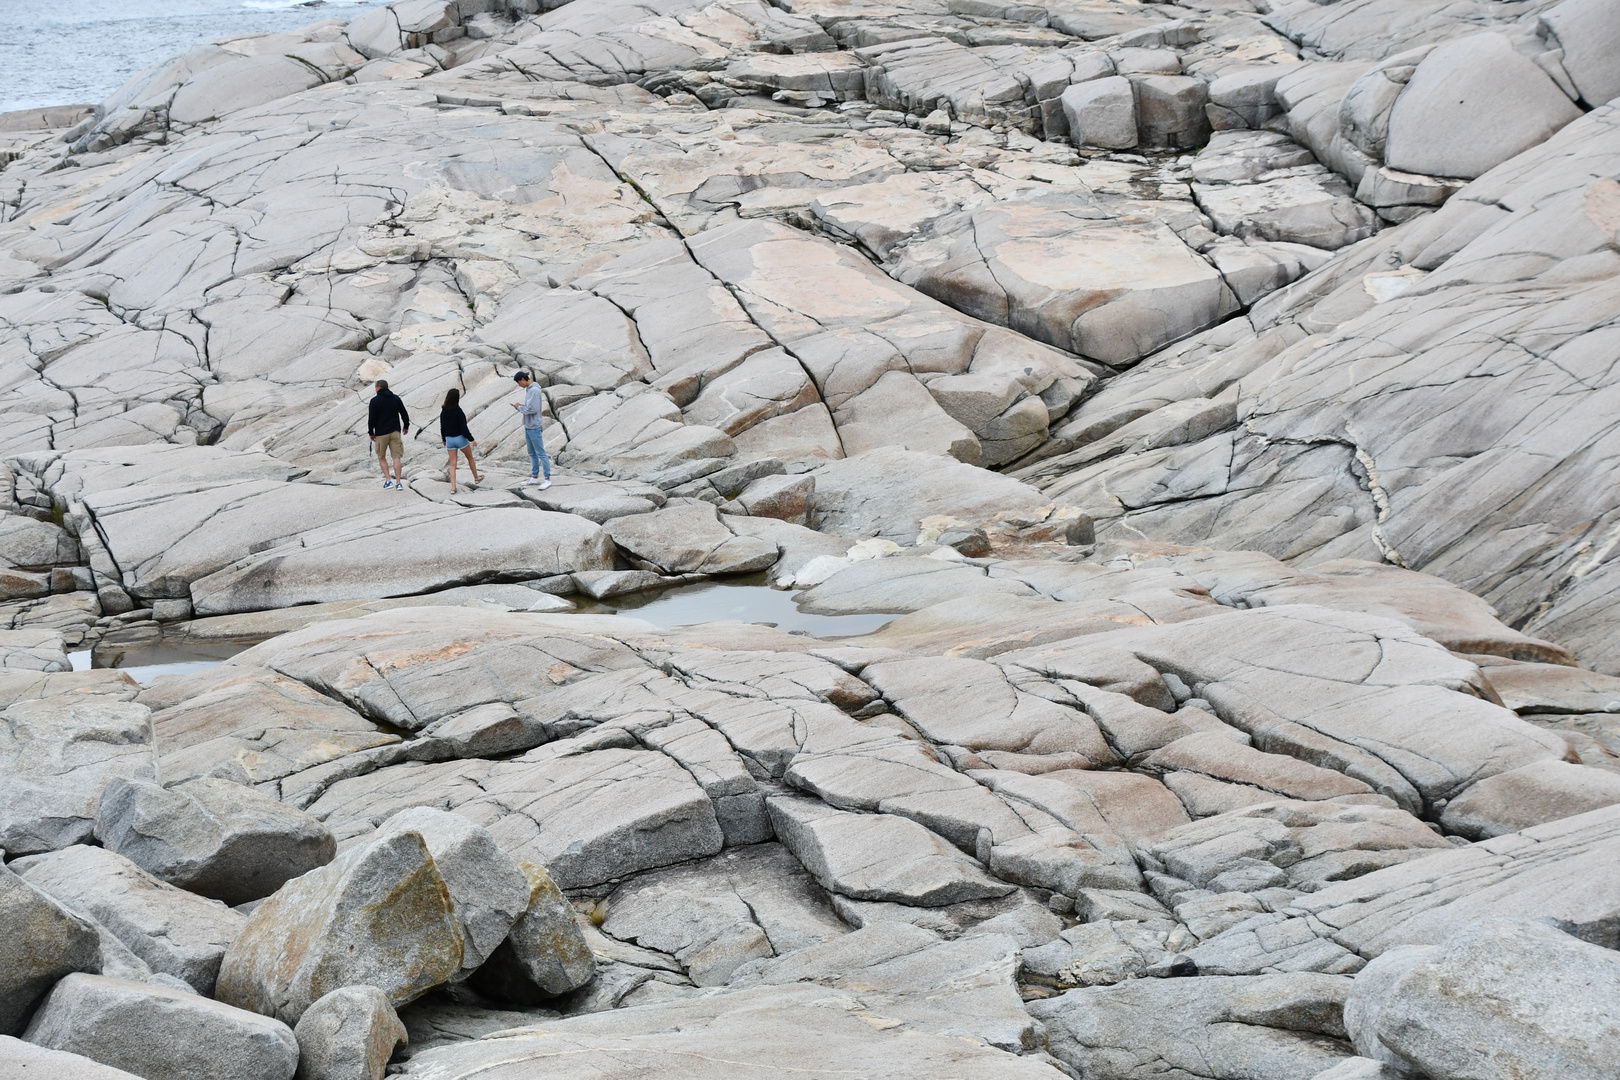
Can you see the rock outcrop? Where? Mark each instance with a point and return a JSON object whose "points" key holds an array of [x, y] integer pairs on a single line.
{"points": [[1184, 430]]}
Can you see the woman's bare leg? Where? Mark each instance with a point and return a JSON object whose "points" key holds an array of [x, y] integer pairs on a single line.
{"points": [[452, 471], [471, 464]]}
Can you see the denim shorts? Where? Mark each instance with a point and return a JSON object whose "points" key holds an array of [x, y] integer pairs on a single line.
{"points": [[457, 442]]}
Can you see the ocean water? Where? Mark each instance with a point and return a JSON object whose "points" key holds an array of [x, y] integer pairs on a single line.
{"points": [[65, 52]]}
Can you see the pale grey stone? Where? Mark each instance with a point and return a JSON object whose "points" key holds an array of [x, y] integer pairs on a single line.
{"points": [[162, 1034], [544, 954], [43, 942], [1588, 34], [688, 539], [170, 929], [380, 915], [878, 856], [1269, 1025], [211, 837], [1102, 112], [1471, 105], [1530, 795], [487, 887], [56, 754], [347, 1035], [42, 1063], [1501, 997]]}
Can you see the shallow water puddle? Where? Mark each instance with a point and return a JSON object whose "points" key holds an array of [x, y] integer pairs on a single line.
{"points": [[744, 599]]}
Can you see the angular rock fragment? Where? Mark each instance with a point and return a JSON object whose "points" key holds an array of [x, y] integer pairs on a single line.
{"points": [[379, 915], [686, 540], [56, 754], [348, 1035], [43, 941], [543, 955], [878, 856], [174, 931], [211, 837], [487, 886], [162, 1034]]}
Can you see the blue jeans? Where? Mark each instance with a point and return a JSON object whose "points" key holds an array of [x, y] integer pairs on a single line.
{"points": [[537, 452]]}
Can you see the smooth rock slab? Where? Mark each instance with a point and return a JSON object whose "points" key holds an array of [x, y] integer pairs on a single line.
{"points": [[688, 540], [42, 942], [819, 1033], [56, 754], [1531, 795], [364, 558], [162, 1034], [348, 1035], [1281, 1027], [1472, 104], [174, 931], [878, 856], [212, 837], [380, 915]]}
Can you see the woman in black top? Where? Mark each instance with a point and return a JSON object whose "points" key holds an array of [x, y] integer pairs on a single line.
{"points": [[457, 438]]}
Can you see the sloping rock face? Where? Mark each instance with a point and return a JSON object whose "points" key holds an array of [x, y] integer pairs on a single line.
{"points": [[1201, 415]]}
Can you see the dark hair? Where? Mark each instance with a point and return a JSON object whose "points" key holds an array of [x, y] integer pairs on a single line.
{"points": [[382, 384], [451, 397], [522, 376]]}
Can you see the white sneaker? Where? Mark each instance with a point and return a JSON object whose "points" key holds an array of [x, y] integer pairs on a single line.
{"points": [[545, 483], [531, 481]]}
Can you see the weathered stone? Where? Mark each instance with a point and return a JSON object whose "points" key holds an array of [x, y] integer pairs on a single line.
{"points": [[161, 1034], [1496, 998], [1470, 106], [174, 931], [878, 856], [487, 887], [1102, 112], [543, 955], [211, 837], [349, 1034], [1269, 1025], [42, 1063], [43, 942], [688, 539], [379, 915], [56, 754]]}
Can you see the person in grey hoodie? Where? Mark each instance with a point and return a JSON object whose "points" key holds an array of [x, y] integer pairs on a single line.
{"points": [[529, 409]]}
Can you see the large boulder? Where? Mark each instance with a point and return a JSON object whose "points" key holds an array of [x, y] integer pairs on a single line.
{"points": [[487, 887], [56, 754], [1589, 32], [688, 539], [1529, 795], [348, 1035], [1101, 112], [1470, 106], [161, 1033], [43, 1063], [380, 915], [173, 931], [544, 955], [211, 836], [1500, 998], [42, 941]]}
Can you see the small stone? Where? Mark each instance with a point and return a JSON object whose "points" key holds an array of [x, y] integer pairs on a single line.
{"points": [[348, 1035], [162, 1034]]}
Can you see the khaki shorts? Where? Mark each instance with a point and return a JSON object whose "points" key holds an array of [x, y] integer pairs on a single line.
{"points": [[390, 441]]}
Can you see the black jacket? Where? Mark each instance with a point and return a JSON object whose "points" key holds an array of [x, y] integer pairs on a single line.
{"points": [[453, 422], [387, 414]]}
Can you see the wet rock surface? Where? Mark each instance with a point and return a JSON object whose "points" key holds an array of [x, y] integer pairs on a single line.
{"points": [[1201, 411]]}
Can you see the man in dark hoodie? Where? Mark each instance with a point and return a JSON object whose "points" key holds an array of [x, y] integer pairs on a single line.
{"points": [[388, 425]]}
